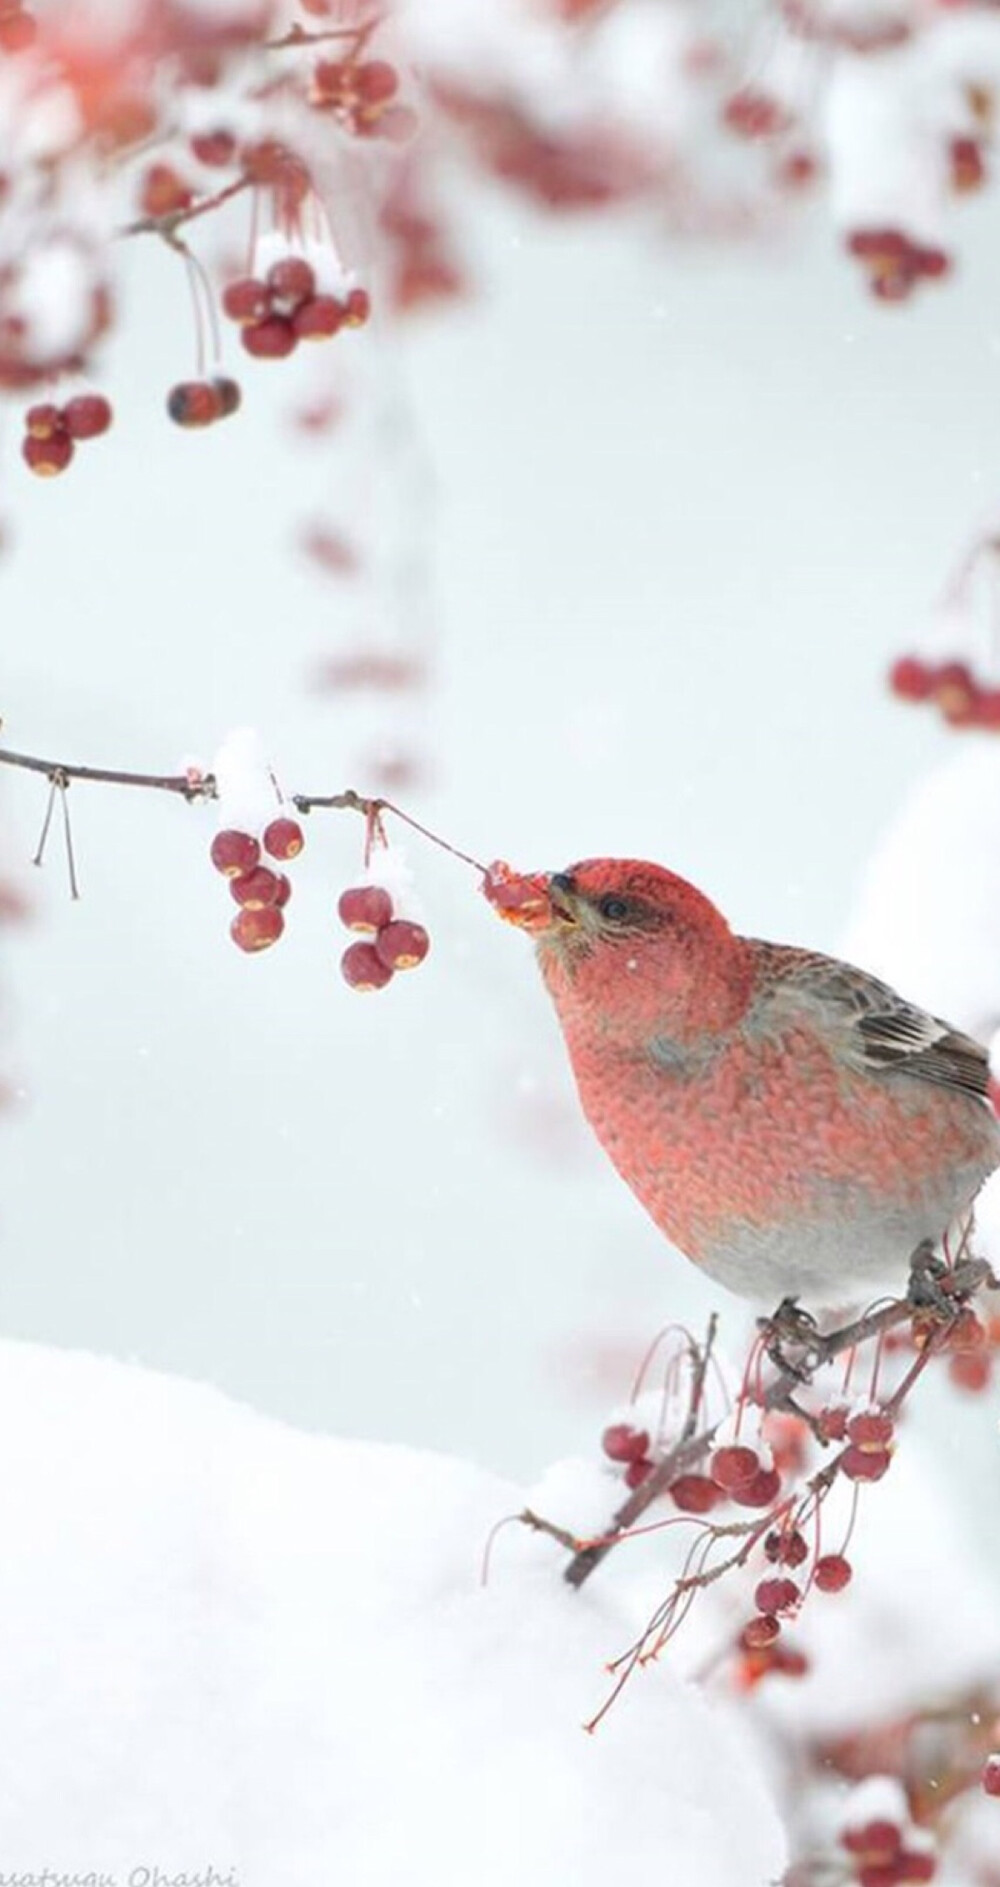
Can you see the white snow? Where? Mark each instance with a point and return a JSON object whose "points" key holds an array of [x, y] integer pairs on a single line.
{"points": [[232, 1646]]}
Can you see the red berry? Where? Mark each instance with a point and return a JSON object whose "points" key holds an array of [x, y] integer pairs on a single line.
{"points": [[402, 944], [932, 262], [331, 78], [318, 318], [832, 1572], [44, 420], [254, 890], [865, 1464], [357, 308], [375, 81], [786, 1547], [991, 1774], [871, 1430], [968, 170], [87, 416], [283, 892], [283, 838], [911, 679], [622, 1442], [270, 339], [761, 1491], [367, 908], [733, 1466], [776, 1595], [246, 300], [291, 280], [637, 1472], [971, 1370], [758, 1633], [257, 929], [363, 968], [162, 191], [967, 1332], [228, 393], [214, 147], [695, 1493], [48, 456], [234, 853], [193, 403], [878, 1841]]}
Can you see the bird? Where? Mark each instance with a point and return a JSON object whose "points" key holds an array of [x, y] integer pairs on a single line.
{"points": [[796, 1128]]}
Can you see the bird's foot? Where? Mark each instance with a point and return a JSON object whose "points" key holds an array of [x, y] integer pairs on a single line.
{"points": [[791, 1327], [924, 1291]]}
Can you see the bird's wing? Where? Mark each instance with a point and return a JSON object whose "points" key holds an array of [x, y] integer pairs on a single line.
{"points": [[878, 1029]]}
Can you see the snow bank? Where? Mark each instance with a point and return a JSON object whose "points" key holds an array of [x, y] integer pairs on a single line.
{"points": [[236, 1655]]}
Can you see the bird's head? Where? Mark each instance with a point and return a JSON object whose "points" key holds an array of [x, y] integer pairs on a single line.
{"points": [[630, 939]]}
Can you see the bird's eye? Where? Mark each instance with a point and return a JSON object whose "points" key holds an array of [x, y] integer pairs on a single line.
{"points": [[615, 909]]}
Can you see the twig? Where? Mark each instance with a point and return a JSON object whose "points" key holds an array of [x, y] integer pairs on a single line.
{"points": [[168, 225], [54, 770], [966, 1278]]}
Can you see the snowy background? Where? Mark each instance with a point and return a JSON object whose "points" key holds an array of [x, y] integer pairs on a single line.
{"points": [[678, 509]]}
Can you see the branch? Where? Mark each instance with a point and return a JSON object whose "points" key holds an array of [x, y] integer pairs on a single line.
{"points": [[961, 1283], [60, 770]]}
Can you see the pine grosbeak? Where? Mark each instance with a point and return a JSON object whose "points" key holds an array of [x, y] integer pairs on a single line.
{"points": [[790, 1123]]}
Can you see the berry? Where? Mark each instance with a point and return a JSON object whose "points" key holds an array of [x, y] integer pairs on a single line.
{"points": [[87, 416], [760, 1491], [228, 393], [367, 908], [967, 1332], [318, 318], [991, 1774], [776, 1595], [760, 1633], [256, 889], [270, 339], [48, 456], [283, 892], [363, 968], [283, 838], [832, 1572], [246, 300], [214, 147], [257, 929], [695, 1493], [911, 679], [357, 308], [637, 1472], [878, 1841], [865, 1464], [376, 81], [402, 944], [971, 1370], [786, 1548], [42, 421], [234, 853], [622, 1442], [733, 1466], [291, 280], [871, 1430], [193, 403], [163, 192]]}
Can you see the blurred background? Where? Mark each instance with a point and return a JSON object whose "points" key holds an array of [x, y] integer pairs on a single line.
{"points": [[658, 515]]}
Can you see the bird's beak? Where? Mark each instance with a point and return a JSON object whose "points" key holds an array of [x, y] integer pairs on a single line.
{"points": [[563, 899]]}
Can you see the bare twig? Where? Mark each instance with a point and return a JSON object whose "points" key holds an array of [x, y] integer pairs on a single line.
{"points": [[54, 770]]}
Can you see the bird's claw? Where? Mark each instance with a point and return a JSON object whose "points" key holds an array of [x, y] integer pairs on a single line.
{"points": [[924, 1291], [791, 1325]]}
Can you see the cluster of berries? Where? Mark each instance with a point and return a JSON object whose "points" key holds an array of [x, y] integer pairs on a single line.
{"points": [[881, 1856], [260, 892], [18, 27], [868, 1435], [276, 313], [363, 95], [53, 432], [391, 943], [951, 687], [895, 263], [197, 403]]}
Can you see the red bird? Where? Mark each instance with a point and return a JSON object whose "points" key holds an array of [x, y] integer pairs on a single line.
{"points": [[791, 1124]]}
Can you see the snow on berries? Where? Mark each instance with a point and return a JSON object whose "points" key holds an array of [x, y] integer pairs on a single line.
{"points": [[252, 841], [302, 294], [52, 433]]}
